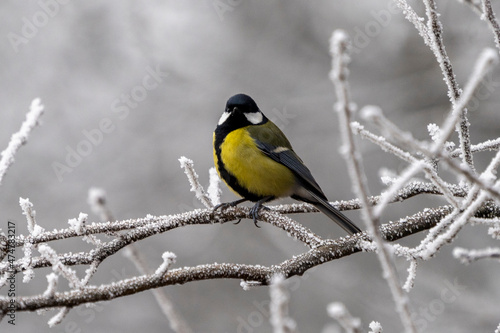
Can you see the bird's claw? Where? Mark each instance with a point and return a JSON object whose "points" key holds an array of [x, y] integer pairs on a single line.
{"points": [[222, 206], [254, 212], [225, 205]]}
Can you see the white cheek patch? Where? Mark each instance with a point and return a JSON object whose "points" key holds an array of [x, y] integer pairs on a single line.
{"points": [[223, 118], [254, 117]]}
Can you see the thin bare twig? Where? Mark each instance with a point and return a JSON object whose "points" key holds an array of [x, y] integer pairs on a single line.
{"points": [[97, 201], [437, 46], [298, 265], [18, 139], [339, 43]]}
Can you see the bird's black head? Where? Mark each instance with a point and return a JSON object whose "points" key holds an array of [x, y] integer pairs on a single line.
{"points": [[241, 102], [241, 110]]}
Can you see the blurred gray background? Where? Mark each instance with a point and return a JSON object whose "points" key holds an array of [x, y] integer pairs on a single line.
{"points": [[91, 63]]}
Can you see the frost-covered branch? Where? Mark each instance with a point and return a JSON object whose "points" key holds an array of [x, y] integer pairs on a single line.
{"points": [[416, 20], [485, 11], [97, 201], [340, 59], [405, 156], [193, 178], [468, 256], [437, 47], [231, 214], [18, 139], [474, 199], [298, 265], [280, 298], [490, 17]]}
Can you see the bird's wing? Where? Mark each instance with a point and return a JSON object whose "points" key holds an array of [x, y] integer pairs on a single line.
{"points": [[273, 143], [289, 158]]}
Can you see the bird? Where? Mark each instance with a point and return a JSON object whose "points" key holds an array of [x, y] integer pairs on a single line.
{"points": [[257, 162]]}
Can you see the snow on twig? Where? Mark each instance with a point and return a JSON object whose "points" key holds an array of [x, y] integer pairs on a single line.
{"points": [[21, 137], [488, 145], [376, 115], [446, 230], [30, 214], [175, 319], [213, 189], [168, 260], [468, 256], [78, 224], [483, 65], [339, 44], [375, 327], [417, 21], [412, 275], [193, 178], [98, 203], [59, 317], [297, 265], [339, 312], [34, 230], [278, 308], [437, 47], [58, 267], [485, 11], [490, 17], [52, 280]]}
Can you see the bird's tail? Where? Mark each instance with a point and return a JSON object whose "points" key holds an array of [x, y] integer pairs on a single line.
{"points": [[335, 215]]}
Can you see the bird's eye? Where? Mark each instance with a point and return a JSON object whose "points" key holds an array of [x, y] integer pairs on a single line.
{"points": [[235, 109]]}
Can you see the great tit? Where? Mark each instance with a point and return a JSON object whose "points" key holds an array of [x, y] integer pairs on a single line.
{"points": [[257, 162]]}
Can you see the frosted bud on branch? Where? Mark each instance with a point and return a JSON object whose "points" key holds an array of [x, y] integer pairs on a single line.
{"points": [[29, 212], [52, 280], [339, 312], [370, 113], [168, 260], [375, 327], [339, 43]]}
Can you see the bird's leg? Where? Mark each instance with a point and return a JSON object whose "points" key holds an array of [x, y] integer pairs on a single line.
{"points": [[254, 211], [223, 206]]}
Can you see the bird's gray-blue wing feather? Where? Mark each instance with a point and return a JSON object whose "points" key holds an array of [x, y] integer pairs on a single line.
{"points": [[289, 158]]}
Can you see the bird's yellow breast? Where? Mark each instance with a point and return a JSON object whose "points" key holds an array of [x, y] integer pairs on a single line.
{"points": [[256, 172]]}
